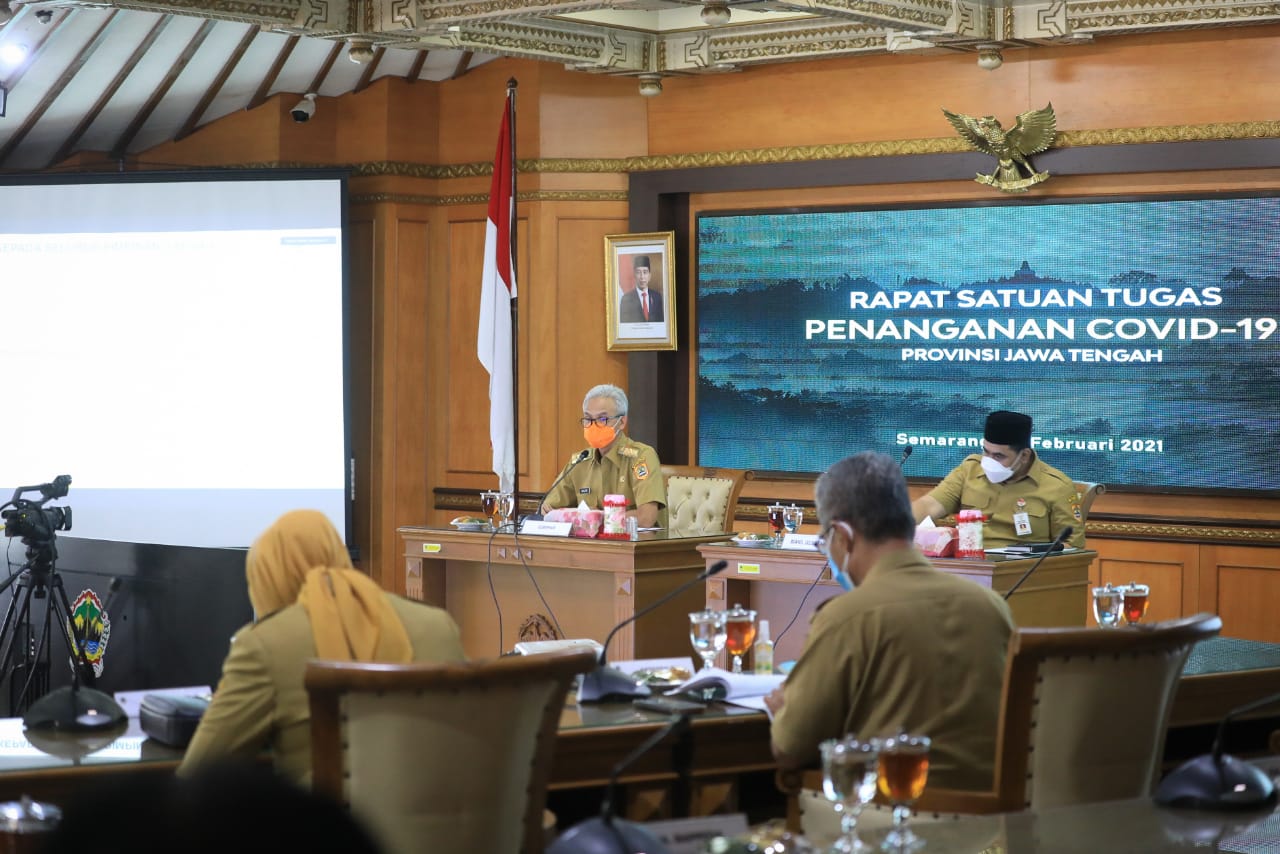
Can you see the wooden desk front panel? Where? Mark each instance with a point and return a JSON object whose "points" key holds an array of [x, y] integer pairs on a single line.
{"points": [[776, 582], [590, 585]]}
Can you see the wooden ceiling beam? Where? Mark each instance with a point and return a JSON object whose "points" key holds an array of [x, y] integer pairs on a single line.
{"points": [[211, 91]]}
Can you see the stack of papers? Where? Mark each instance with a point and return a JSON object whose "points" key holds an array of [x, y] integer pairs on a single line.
{"points": [[739, 689]]}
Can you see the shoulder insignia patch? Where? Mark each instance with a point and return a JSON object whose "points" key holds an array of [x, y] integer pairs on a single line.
{"points": [[641, 471], [629, 451], [1075, 511]]}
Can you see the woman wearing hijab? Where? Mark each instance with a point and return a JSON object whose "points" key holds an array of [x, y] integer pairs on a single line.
{"points": [[308, 602]]}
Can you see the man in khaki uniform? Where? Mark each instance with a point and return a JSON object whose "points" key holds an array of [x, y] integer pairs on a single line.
{"points": [[1023, 498], [909, 649], [615, 464]]}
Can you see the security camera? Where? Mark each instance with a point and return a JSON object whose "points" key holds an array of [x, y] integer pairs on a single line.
{"points": [[305, 109]]}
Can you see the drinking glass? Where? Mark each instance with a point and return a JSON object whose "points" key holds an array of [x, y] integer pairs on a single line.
{"points": [[849, 772], [489, 506], [740, 633], [506, 507], [903, 770], [1107, 603], [777, 522], [792, 517], [1135, 601], [706, 632]]}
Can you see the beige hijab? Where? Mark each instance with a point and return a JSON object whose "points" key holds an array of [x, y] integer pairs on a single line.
{"points": [[302, 559]]}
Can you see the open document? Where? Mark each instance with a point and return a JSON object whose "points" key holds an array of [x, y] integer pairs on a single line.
{"points": [[740, 689]]}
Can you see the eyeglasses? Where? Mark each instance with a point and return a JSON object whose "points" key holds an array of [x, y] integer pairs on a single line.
{"points": [[821, 542], [602, 420]]}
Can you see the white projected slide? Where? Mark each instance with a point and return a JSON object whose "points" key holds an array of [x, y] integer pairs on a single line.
{"points": [[180, 348]]}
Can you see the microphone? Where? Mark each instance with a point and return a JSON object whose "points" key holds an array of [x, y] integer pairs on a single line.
{"points": [[608, 834], [906, 452], [573, 461], [609, 683], [1057, 543], [1217, 781]]}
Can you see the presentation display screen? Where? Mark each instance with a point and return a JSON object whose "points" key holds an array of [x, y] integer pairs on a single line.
{"points": [[176, 344], [1140, 335]]}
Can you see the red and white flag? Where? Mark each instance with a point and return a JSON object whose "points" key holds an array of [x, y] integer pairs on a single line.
{"points": [[498, 289]]}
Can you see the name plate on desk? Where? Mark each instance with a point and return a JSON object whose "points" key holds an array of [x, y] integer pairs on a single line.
{"points": [[801, 542], [544, 528]]}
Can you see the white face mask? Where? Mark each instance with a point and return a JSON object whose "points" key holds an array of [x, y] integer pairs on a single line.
{"points": [[996, 473]]}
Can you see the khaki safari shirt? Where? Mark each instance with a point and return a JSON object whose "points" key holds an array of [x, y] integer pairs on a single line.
{"points": [[630, 468], [1048, 497], [912, 649]]}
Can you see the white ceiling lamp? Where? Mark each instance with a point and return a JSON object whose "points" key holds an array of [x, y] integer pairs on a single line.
{"points": [[360, 51], [650, 85], [715, 13], [989, 57]]}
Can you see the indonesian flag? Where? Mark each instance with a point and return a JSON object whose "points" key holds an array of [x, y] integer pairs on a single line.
{"points": [[498, 289]]}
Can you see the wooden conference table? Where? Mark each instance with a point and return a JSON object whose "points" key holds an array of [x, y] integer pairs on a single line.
{"points": [[695, 773]]}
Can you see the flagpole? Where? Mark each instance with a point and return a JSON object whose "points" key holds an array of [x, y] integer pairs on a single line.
{"points": [[515, 316]]}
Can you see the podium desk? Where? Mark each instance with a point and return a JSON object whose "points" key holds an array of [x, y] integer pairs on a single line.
{"points": [[774, 581], [589, 586]]}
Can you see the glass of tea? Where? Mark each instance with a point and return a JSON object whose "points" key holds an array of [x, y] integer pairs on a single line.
{"points": [[707, 634], [489, 507], [902, 771], [740, 633], [1135, 601], [777, 522], [792, 517], [1107, 602], [849, 771]]}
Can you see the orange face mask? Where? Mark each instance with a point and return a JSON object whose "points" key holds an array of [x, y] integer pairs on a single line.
{"points": [[599, 436]]}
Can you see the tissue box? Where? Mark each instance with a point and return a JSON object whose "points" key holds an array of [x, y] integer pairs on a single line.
{"points": [[937, 542], [584, 523]]}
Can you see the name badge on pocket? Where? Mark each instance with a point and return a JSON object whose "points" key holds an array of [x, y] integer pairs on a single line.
{"points": [[1021, 524]]}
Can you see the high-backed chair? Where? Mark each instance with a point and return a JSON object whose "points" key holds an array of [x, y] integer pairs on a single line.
{"points": [[1088, 491], [1083, 718], [701, 500], [442, 757]]}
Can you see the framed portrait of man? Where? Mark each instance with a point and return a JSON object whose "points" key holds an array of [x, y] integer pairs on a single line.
{"points": [[640, 298]]}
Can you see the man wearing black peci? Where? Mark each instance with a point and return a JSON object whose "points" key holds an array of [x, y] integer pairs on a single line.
{"points": [[1023, 498], [909, 649]]}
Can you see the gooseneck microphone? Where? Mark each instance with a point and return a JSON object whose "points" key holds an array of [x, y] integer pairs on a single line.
{"points": [[906, 452], [610, 683], [1217, 781], [1057, 543], [606, 833], [573, 462]]}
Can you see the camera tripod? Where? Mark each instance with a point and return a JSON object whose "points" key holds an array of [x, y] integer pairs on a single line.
{"points": [[24, 652]]}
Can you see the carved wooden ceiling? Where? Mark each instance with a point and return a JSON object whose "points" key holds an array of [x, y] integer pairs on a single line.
{"points": [[121, 78]]}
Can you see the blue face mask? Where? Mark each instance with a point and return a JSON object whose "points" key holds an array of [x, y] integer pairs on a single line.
{"points": [[841, 578]]}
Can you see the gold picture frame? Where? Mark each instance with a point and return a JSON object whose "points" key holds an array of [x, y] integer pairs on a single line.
{"points": [[637, 322]]}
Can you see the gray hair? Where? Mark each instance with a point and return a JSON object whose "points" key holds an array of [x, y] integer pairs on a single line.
{"points": [[617, 395], [869, 492]]}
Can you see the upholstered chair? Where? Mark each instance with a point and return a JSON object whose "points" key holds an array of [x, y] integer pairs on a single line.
{"points": [[701, 500], [442, 757]]}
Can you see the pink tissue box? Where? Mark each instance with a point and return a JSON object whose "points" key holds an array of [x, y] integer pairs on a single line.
{"points": [[584, 523], [937, 542]]}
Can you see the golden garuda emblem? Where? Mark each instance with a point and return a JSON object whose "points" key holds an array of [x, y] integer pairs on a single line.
{"points": [[1032, 133]]}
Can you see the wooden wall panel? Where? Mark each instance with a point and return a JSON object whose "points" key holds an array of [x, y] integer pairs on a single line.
{"points": [[1242, 584], [1170, 569], [364, 427]]}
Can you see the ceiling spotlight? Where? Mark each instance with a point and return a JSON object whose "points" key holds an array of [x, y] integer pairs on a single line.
{"points": [[650, 85], [360, 51], [44, 16], [989, 57], [6, 14], [715, 13]]}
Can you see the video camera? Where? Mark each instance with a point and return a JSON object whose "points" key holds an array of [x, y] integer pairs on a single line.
{"points": [[30, 519]]}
